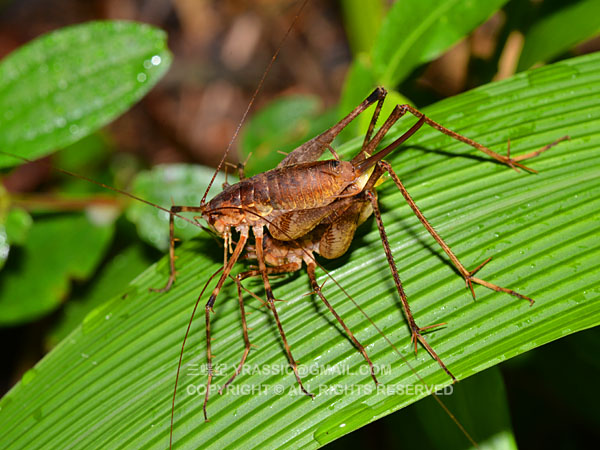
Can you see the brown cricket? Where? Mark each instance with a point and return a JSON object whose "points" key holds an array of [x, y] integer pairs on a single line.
{"points": [[306, 206]]}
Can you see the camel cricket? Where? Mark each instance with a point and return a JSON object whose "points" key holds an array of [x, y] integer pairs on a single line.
{"points": [[306, 206]]}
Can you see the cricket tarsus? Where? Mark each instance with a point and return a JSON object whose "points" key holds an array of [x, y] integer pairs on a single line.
{"points": [[467, 275]]}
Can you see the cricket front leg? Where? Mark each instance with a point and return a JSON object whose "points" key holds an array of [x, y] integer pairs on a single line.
{"points": [[416, 331], [172, 240], [467, 275], [208, 309]]}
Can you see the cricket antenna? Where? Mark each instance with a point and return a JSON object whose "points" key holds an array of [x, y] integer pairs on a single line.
{"points": [[251, 102], [108, 187]]}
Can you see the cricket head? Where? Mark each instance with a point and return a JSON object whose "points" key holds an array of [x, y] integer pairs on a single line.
{"points": [[223, 212]]}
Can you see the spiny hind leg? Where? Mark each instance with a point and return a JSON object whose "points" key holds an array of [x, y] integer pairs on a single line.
{"points": [[172, 239], [416, 331], [467, 275], [511, 162], [311, 150], [310, 268]]}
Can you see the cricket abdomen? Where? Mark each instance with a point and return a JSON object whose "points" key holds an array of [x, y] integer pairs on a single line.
{"points": [[303, 186], [269, 194]]}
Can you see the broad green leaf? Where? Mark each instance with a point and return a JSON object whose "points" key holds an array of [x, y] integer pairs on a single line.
{"points": [[111, 281], [37, 275], [82, 155], [166, 185], [68, 83], [415, 32], [555, 34], [110, 383], [479, 403]]}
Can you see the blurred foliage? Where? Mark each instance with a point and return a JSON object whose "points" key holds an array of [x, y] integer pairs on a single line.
{"points": [[56, 249], [279, 128], [165, 185], [555, 34]]}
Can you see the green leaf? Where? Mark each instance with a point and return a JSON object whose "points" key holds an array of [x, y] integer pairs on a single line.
{"points": [[68, 83], [415, 32], [479, 403], [110, 383], [362, 22], [14, 227], [166, 185], [111, 281], [37, 275], [18, 223], [557, 33]]}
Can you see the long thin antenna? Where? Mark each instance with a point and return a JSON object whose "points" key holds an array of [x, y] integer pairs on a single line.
{"points": [[106, 186], [256, 91]]}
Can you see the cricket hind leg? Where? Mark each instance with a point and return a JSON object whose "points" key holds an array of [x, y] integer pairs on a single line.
{"points": [[511, 162], [467, 275], [172, 239], [314, 148], [416, 331], [310, 268], [258, 235]]}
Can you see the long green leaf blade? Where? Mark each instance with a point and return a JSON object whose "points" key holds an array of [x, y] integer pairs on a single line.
{"points": [[109, 384], [413, 33], [557, 33]]}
